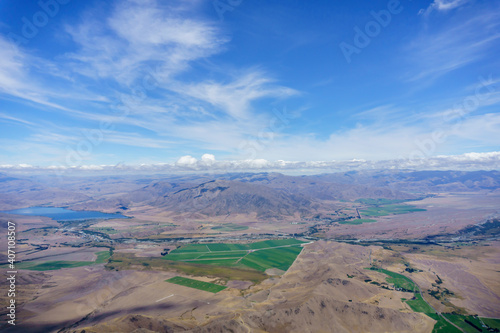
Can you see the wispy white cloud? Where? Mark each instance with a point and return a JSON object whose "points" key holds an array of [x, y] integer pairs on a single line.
{"points": [[68, 136], [386, 131], [101, 80], [459, 42], [136, 140], [480, 130], [14, 75], [140, 39], [236, 96], [372, 142], [443, 5], [22, 77], [6, 117], [138, 36], [11, 66]]}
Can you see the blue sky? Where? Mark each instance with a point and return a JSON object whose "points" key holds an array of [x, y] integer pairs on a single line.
{"points": [[193, 82]]}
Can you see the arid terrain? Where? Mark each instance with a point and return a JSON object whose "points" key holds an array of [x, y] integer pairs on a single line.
{"points": [[109, 275], [241, 166]]}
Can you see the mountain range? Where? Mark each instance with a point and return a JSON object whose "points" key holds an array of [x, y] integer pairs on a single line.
{"points": [[265, 195]]}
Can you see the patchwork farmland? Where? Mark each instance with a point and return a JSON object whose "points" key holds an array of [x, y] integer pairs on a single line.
{"points": [[260, 256], [196, 284], [102, 257], [384, 210]]}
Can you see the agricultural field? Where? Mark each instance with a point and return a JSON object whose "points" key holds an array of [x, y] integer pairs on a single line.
{"points": [[370, 201], [442, 326], [281, 258], [102, 257], [399, 281], [391, 209], [358, 221], [419, 305], [106, 230], [128, 261], [230, 227], [467, 323], [229, 247], [258, 256], [191, 283], [491, 322]]}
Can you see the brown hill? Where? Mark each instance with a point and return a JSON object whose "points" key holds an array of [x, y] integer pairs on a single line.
{"points": [[209, 199], [21, 192], [323, 189], [223, 197], [418, 181]]}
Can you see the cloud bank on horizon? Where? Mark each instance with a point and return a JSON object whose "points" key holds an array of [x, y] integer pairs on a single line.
{"points": [[208, 164], [278, 85]]}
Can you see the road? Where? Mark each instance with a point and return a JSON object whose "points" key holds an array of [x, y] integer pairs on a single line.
{"points": [[438, 313]]}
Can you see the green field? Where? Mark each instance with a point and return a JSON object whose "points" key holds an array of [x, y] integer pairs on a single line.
{"points": [[419, 305], [369, 201], [218, 262], [357, 221], [127, 261], [460, 321], [106, 230], [230, 227], [221, 247], [281, 258], [219, 255], [102, 257], [191, 248], [206, 286], [280, 253], [229, 247], [399, 280], [493, 323], [52, 265], [183, 256], [274, 243], [384, 210], [442, 326]]}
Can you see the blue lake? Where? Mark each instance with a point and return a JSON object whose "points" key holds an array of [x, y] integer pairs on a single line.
{"points": [[63, 214]]}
